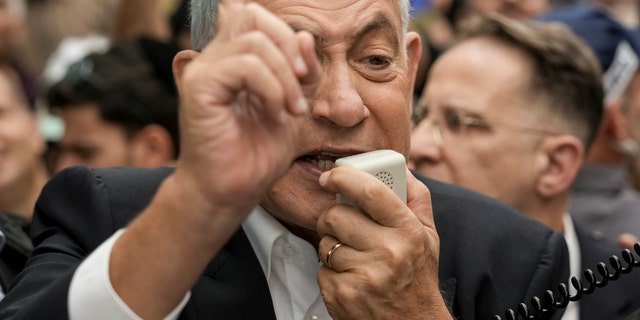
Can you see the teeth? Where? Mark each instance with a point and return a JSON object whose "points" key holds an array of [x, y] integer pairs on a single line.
{"points": [[323, 164]]}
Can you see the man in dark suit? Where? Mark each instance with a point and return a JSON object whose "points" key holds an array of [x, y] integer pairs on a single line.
{"points": [[248, 226], [510, 112]]}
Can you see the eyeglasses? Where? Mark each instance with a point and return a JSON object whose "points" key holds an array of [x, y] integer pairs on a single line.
{"points": [[458, 123]]}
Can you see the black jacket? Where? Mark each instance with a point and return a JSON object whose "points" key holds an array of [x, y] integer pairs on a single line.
{"points": [[492, 257]]}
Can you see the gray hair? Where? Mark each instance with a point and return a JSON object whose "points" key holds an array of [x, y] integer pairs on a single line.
{"points": [[204, 12]]}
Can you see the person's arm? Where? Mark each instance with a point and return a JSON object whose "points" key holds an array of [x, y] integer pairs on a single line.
{"points": [[238, 121], [91, 295]]}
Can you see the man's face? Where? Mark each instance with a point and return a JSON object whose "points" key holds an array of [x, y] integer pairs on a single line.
{"points": [[21, 145], [476, 97], [91, 141], [362, 102]]}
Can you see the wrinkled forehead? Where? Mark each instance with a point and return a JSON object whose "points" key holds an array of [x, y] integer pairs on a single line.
{"points": [[336, 21], [204, 13]]}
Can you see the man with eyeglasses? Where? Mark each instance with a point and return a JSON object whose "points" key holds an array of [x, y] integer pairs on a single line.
{"points": [[510, 112]]}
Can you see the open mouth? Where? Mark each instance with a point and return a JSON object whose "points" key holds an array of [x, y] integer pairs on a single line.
{"points": [[325, 161]]}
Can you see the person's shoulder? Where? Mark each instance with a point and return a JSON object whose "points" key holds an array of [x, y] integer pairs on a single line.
{"points": [[484, 243], [465, 216], [619, 296], [460, 205], [130, 176], [92, 203], [593, 247]]}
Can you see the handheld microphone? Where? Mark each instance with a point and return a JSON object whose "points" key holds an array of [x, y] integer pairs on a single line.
{"points": [[388, 166]]}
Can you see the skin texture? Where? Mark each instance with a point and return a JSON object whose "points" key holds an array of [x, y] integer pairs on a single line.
{"points": [[257, 104]]}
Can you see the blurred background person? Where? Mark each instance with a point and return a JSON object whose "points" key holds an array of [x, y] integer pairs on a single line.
{"points": [[12, 36], [438, 24], [603, 201], [22, 175], [163, 21], [50, 22], [119, 108], [510, 111]]}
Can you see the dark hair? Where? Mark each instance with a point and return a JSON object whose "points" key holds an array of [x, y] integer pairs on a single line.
{"points": [[179, 20], [566, 74], [131, 84]]}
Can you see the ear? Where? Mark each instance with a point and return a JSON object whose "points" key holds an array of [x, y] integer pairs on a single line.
{"points": [[180, 62], [152, 147], [414, 52], [616, 121], [563, 155]]}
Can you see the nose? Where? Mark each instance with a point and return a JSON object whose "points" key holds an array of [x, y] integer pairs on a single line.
{"points": [[425, 149], [337, 98]]}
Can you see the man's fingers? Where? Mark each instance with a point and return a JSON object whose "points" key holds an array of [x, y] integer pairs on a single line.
{"points": [[256, 43], [253, 17], [419, 200], [242, 73], [371, 194], [310, 80], [229, 8]]}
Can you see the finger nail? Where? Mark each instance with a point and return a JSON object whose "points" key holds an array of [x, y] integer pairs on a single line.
{"points": [[300, 66], [324, 177], [302, 106]]}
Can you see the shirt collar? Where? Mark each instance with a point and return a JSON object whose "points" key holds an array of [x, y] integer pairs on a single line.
{"points": [[263, 230]]}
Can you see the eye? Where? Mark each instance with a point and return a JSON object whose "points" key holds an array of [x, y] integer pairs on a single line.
{"points": [[454, 122], [379, 62], [85, 153]]}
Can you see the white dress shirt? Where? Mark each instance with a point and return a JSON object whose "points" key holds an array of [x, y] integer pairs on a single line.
{"points": [[575, 265], [289, 263]]}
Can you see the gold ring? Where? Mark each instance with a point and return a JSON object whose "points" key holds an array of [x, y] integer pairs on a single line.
{"points": [[331, 252]]}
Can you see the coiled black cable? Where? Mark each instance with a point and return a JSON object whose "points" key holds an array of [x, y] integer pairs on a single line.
{"points": [[543, 308]]}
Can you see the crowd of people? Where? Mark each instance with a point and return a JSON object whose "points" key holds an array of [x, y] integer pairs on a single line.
{"points": [[193, 173]]}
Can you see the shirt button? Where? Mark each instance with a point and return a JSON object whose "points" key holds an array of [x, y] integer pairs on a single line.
{"points": [[314, 317], [289, 249]]}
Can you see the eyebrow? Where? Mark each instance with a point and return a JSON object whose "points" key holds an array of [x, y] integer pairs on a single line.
{"points": [[378, 23]]}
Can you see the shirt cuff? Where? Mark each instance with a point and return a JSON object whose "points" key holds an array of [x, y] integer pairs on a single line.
{"points": [[91, 295]]}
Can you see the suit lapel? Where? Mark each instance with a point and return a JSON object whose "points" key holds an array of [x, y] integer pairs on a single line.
{"points": [[233, 286]]}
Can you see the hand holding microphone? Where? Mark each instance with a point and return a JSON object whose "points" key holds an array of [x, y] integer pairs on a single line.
{"points": [[378, 243]]}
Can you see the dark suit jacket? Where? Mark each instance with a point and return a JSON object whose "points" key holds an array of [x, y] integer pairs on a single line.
{"points": [[492, 257], [16, 250], [619, 298]]}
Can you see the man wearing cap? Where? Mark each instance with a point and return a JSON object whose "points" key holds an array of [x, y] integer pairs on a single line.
{"points": [[603, 201]]}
